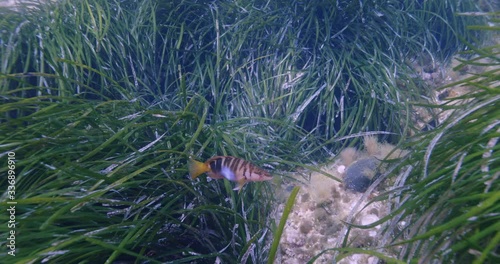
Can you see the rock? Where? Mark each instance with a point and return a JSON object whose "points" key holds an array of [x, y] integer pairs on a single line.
{"points": [[360, 174]]}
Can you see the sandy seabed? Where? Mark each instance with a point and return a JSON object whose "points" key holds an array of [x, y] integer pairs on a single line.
{"points": [[325, 205]]}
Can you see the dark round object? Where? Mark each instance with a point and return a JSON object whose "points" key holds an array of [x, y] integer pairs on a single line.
{"points": [[359, 175]]}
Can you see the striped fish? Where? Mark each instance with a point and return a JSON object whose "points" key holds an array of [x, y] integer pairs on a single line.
{"points": [[231, 168]]}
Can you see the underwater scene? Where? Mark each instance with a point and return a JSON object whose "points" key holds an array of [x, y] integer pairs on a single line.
{"points": [[323, 131]]}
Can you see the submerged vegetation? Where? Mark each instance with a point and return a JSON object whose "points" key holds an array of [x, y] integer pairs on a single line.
{"points": [[450, 204], [103, 102]]}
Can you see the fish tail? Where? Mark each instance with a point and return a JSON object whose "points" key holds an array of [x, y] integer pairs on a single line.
{"points": [[196, 168]]}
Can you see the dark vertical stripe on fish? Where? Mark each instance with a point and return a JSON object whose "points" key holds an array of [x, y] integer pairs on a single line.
{"points": [[219, 164], [236, 163], [216, 165], [227, 161], [250, 170], [243, 168], [238, 166]]}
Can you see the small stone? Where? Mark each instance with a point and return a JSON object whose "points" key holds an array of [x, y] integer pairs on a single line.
{"points": [[359, 175], [306, 227], [305, 197]]}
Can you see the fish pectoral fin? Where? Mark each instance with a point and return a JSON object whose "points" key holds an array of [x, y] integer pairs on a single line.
{"points": [[240, 185], [196, 168]]}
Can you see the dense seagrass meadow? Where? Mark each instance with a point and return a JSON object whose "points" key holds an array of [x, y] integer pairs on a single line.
{"points": [[104, 102]]}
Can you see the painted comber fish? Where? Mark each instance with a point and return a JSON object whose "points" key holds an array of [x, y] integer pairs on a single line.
{"points": [[231, 168]]}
